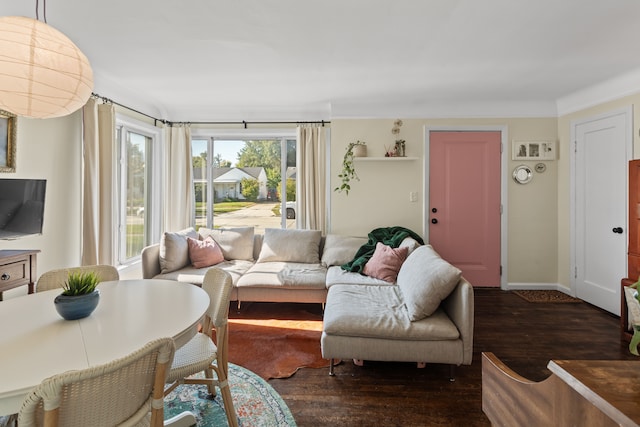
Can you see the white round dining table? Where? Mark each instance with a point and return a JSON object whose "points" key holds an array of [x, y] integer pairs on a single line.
{"points": [[36, 343]]}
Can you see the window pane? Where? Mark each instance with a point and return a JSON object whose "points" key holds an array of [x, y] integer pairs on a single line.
{"points": [[200, 179], [245, 183], [136, 194]]}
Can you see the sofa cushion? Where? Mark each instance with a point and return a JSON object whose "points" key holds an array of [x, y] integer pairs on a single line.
{"points": [[425, 279], [284, 245], [337, 276], [204, 253], [385, 262], [190, 274], [236, 243], [174, 249], [379, 312], [291, 275], [410, 243], [339, 249]]}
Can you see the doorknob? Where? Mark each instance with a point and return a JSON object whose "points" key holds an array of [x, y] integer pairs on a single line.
{"points": [[434, 221], [617, 230]]}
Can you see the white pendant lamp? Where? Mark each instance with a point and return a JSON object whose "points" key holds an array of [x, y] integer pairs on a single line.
{"points": [[42, 73]]}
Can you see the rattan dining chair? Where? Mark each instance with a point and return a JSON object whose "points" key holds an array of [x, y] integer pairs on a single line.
{"points": [[125, 392], [55, 279], [200, 352]]}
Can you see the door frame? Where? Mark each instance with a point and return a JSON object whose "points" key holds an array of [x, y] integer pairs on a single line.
{"points": [[504, 173], [628, 112]]}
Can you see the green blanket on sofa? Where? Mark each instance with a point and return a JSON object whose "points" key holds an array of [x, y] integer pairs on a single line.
{"points": [[390, 236]]}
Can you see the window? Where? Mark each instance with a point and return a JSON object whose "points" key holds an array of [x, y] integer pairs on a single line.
{"points": [[137, 155], [240, 182]]}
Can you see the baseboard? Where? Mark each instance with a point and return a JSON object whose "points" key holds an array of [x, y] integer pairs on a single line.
{"points": [[530, 286]]}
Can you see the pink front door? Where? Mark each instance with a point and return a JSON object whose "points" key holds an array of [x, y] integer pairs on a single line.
{"points": [[464, 202]]}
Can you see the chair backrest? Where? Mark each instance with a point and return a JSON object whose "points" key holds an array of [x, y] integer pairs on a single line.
{"points": [[55, 279], [218, 284], [122, 392]]}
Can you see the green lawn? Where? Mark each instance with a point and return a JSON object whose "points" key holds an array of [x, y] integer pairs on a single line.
{"points": [[222, 207]]}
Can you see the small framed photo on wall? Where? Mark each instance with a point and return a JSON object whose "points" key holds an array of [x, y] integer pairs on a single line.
{"points": [[533, 150], [8, 133]]}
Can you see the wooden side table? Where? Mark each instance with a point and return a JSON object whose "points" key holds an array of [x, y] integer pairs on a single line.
{"points": [[17, 268]]}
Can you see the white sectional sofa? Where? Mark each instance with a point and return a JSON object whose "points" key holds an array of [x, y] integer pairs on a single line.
{"points": [[426, 316]]}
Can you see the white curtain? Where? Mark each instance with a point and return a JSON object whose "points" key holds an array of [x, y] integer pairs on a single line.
{"points": [[178, 193], [311, 177], [99, 196]]}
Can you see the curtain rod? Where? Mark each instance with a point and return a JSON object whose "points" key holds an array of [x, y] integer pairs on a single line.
{"points": [[243, 122]]}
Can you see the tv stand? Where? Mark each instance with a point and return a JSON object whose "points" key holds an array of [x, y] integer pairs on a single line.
{"points": [[17, 268]]}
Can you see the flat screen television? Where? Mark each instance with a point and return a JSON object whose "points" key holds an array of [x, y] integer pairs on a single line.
{"points": [[21, 207]]}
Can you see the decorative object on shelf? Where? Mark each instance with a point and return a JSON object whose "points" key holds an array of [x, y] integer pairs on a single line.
{"points": [[79, 296], [8, 132], [348, 168], [399, 147], [43, 73], [522, 174]]}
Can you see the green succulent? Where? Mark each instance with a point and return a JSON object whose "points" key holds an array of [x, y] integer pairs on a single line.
{"points": [[80, 283]]}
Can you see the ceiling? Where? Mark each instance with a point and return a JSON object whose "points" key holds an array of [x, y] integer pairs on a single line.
{"points": [[211, 60]]}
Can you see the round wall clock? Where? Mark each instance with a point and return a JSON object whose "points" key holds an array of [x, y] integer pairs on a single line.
{"points": [[522, 174]]}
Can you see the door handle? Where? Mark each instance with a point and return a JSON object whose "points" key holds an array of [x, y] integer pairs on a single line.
{"points": [[434, 221], [617, 230]]}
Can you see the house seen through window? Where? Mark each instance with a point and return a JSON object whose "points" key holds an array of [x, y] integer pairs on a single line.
{"points": [[244, 182]]}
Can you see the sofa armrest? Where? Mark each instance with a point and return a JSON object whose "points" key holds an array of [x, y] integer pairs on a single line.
{"points": [[151, 261], [459, 306]]}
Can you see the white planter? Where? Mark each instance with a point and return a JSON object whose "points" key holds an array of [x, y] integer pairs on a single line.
{"points": [[360, 151]]}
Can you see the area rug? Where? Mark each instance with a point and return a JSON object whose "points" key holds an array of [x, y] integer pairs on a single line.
{"points": [[275, 340], [546, 296], [255, 401]]}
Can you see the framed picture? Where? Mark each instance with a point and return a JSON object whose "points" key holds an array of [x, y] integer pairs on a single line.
{"points": [[8, 131], [533, 150]]}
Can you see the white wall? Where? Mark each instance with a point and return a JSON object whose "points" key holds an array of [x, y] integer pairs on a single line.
{"points": [[51, 149]]}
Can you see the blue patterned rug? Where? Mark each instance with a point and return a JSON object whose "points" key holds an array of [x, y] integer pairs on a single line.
{"points": [[256, 402]]}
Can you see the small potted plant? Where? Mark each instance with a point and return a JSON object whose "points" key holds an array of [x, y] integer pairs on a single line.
{"points": [[354, 149], [79, 296]]}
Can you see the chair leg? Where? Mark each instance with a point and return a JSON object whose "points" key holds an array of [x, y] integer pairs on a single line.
{"points": [[331, 373], [208, 373], [226, 397]]}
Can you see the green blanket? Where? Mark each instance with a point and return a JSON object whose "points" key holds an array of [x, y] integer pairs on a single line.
{"points": [[390, 236]]}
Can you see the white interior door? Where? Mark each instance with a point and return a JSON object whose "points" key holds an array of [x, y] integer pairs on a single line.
{"points": [[602, 152]]}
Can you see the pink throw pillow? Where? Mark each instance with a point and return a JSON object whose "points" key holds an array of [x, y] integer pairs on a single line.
{"points": [[204, 253], [385, 262]]}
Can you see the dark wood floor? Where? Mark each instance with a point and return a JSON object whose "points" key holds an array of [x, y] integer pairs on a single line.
{"points": [[524, 335]]}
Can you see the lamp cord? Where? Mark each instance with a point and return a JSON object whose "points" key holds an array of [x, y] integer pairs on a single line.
{"points": [[44, 10]]}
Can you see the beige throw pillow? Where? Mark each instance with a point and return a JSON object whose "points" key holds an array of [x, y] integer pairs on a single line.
{"points": [[340, 250], [425, 280], [291, 246], [174, 250], [236, 243]]}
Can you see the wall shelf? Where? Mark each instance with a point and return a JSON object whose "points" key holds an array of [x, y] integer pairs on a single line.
{"points": [[384, 159]]}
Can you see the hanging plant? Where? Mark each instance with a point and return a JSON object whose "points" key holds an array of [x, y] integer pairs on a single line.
{"points": [[348, 169]]}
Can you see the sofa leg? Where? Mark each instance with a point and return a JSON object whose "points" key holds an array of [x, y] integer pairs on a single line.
{"points": [[358, 362], [452, 373], [421, 365], [331, 373], [238, 307]]}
